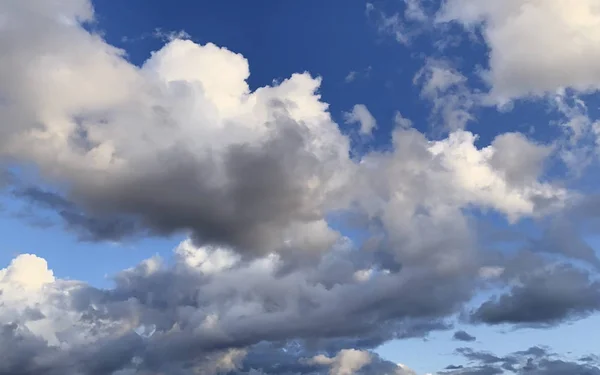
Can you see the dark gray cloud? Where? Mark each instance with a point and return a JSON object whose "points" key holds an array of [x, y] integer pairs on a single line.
{"points": [[264, 195], [544, 296], [463, 336], [86, 227], [191, 315]]}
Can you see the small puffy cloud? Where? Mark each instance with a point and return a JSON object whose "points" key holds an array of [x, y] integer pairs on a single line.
{"points": [[401, 121], [446, 89], [350, 77], [206, 259], [491, 272], [360, 115], [463, 336]]}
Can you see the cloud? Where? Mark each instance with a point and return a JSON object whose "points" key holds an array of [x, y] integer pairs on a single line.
{"points": [[172, 147], [182, 145], [350, 77], [463, 336], [346, 362], [525, 62], [546, 295], [446, 88], [87, 228], [209, 309], [405, 26], [401, 121], [360, 115], [535, 360], [230, 166]]}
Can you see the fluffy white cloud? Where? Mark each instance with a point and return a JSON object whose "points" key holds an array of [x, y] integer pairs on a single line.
{"points": [[536, 46], [346, 362], [428, 184], [28, 272]]}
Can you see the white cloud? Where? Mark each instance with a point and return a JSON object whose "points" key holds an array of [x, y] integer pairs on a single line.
{"points": [[206, 259], [491, 272], [536, 46], [447, 90], [401, 121], [346, 362], [28, 272], [351, 76], [182, 144], [404, 27], [360, 115]]}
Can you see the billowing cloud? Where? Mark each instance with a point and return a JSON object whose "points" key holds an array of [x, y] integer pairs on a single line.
{"points": [[264, 284], [346, 362], [249, 169], [208, 310], [525, 61]]}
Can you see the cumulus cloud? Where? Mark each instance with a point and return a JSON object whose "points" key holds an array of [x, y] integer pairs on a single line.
{"points": [[208, 310], [249, 169], [173, 146], [264, 284], [346, 362], [524, 61]]}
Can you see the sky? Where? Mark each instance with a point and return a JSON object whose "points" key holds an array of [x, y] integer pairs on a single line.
{"points": [[402, 187]]}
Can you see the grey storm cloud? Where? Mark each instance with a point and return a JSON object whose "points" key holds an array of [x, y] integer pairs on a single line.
{"points": [[263, 196], [87, 228], [544, 296]]}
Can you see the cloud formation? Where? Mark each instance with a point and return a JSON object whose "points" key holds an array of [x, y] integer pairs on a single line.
{"points": [[360, 115], [523, 61], [535, 360], [264, 284], [463, 336]]}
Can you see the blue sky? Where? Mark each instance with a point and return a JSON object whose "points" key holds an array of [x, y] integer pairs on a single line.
{"points": [[478, 179]]}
